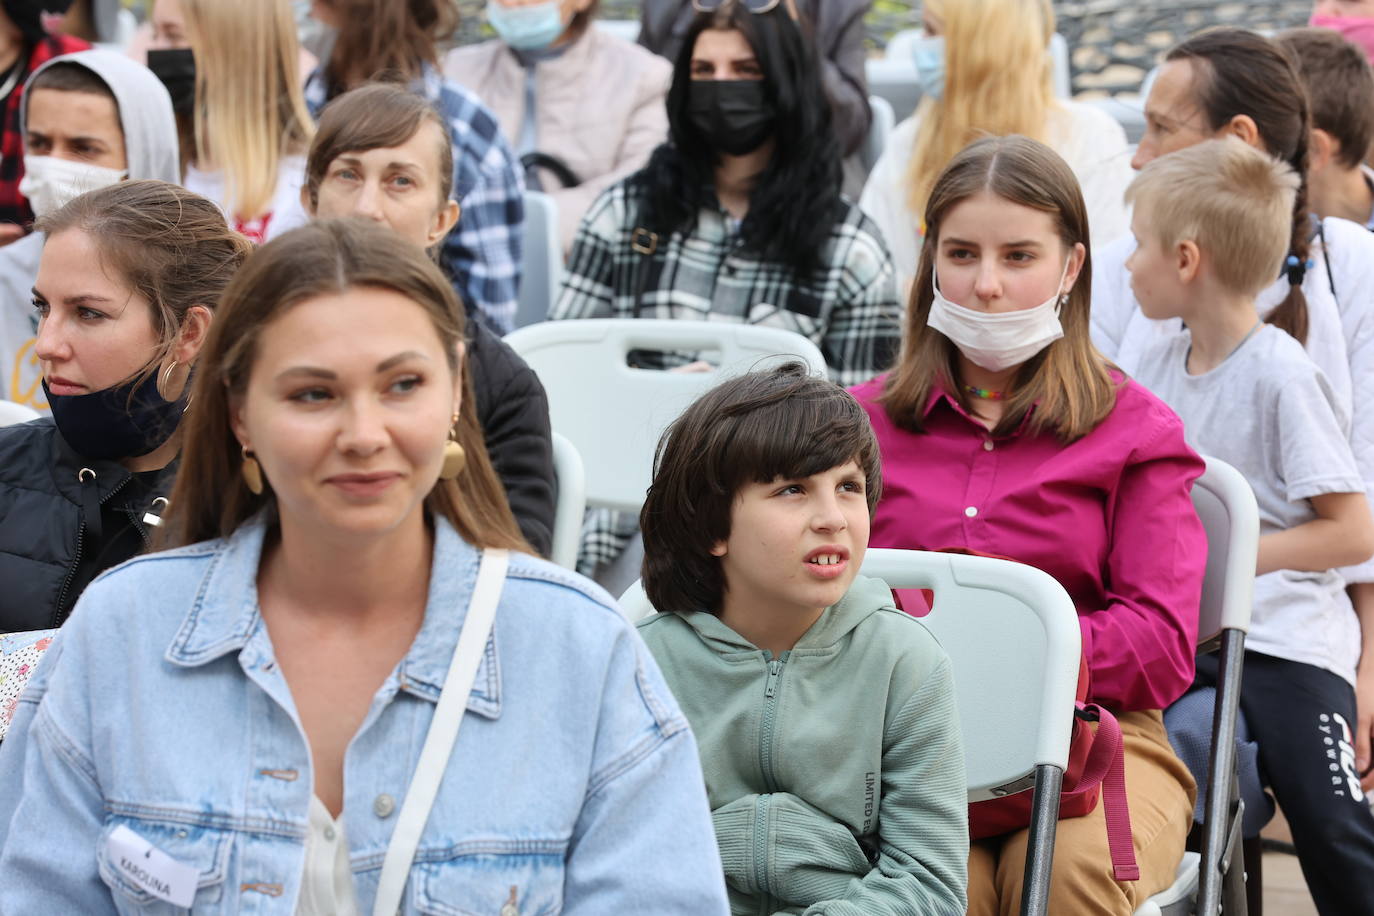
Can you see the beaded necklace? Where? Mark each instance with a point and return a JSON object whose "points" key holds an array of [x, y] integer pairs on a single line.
{"points": [[985, 394]]}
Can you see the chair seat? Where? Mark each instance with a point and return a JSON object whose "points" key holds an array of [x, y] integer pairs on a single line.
{"points": [[1177, 899]]}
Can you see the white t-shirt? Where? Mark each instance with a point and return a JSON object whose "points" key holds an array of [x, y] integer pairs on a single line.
{"points": [[1340, 336], [327, 881], [1270, 412], [1090, 140], [284, 213]]}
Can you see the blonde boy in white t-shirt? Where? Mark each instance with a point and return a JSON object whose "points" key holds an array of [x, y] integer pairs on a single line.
{"points": [[1212, 224]]}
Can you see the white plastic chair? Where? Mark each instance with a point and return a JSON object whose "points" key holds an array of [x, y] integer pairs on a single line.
{"points": [[614, 414], [627, 29], [541, 264], [571, 503], [1012, 635], [12, 413], [1226, 505], [879, 128]]}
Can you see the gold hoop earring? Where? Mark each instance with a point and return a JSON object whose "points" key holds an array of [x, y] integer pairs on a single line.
{"points": [[166, 382], [252, 472], [454, 456]]}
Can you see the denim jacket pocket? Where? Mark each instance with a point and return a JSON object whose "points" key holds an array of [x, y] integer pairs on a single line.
{"points": [[204, 848], [492, 884]]}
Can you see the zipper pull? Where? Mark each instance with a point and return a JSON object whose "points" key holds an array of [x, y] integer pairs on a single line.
{"points": [[774, 669], [151, 517], [90, 503], [512, 905]]}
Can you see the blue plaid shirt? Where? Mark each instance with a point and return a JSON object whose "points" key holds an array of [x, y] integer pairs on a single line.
{"points": [[481, 254]]}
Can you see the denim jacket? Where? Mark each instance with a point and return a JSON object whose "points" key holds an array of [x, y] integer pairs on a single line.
{"points": [[574, 786]]}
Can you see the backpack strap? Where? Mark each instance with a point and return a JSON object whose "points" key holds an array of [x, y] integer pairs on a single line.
{"points": [[1106, 765]]}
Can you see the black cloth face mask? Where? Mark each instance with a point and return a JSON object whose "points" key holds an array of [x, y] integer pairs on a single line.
{"points": [[735, 116], [27, 15], [177, 71], [123, 421]]}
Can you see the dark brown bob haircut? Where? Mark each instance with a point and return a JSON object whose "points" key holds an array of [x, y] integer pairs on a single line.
{"points": [[374, 116], [1067, 384], [1340, 88], [323, 258], [755, 428]]}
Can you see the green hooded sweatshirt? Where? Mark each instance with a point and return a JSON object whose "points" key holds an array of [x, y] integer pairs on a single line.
{"points": [[835, 770]]}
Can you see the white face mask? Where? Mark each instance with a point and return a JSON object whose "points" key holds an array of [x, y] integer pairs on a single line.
{"points": [[50, 183], [1000, 341]]}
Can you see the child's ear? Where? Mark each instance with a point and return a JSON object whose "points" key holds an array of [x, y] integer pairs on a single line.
{"points": [[1323, 149], [718, 549], [1188, 260]]}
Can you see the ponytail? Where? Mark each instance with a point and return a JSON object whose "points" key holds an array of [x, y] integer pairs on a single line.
{"points": [[1290, 315], [1239, 72]]}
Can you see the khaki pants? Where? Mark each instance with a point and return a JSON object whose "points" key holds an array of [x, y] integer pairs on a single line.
{"points": [[1160, 793]]}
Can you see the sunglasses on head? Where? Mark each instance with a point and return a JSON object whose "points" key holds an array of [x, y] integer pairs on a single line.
{"points": [[753, 6]]}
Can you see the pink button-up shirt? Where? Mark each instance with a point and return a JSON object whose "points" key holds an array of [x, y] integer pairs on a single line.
{"points": [[1109, 516]]}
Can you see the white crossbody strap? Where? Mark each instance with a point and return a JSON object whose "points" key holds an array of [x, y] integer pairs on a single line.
{"points": [[443, 732]]}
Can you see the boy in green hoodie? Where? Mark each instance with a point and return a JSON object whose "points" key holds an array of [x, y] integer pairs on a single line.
{"points": [[825, 716]]}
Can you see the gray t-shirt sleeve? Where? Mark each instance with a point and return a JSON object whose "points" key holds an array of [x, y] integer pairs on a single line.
{"points": [[1310, 434]]}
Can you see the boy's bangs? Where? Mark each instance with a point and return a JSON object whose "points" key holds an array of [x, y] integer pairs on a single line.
{"points": [[798, 437]]}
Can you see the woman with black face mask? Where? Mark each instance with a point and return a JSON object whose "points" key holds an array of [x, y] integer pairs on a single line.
{"points": [[739, 217], [125, 288]]}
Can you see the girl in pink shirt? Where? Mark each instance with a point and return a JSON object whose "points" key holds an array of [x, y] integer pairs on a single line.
{"points": [[1004, 431]]}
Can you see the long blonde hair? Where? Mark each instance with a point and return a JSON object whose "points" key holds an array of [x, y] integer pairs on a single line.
{"points": [[1068, 384], [997, 82], [247, 66]]}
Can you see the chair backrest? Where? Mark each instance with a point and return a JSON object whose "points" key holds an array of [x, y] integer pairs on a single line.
{"points": [[878, 130], [1226, 504], [627, 29], [894, 79], [571, 503], [11, 413], [613, 413], [1012, 636], [541, 264]]}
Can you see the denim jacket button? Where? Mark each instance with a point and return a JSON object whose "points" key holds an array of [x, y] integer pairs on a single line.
{"points": [[383, 805]]}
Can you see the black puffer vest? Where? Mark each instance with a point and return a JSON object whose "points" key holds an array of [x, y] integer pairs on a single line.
{"points": [[47, 492]]}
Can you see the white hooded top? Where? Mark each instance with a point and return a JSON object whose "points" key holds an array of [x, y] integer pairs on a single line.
{"points": [[152, 151]]}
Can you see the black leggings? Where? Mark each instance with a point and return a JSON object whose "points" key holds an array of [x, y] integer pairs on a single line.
{"points": [[1302, 717]]}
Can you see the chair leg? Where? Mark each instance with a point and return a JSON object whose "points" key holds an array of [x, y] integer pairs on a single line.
{"points": [[1220, 817], [1254, 881], [1035, 888]]}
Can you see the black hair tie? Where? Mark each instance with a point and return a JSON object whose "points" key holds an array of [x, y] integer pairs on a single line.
{"points": [[1296, 268]]}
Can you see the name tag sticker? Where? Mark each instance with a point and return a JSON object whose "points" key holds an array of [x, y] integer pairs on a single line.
{"points": [[152, 869]]}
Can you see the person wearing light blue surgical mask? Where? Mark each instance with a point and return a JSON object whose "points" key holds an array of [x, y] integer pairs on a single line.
{"points": [[581, 107], [531, 26], [928, 54], [985, 69]]}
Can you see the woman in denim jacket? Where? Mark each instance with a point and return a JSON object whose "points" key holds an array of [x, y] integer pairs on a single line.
{"points": [[232, 725]]}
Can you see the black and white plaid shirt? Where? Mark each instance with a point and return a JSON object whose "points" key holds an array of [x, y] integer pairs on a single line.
{"points": [[848, 308]]}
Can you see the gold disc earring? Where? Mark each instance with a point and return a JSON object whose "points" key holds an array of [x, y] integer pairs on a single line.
{"points": [[454, 456], [252, 472]]}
